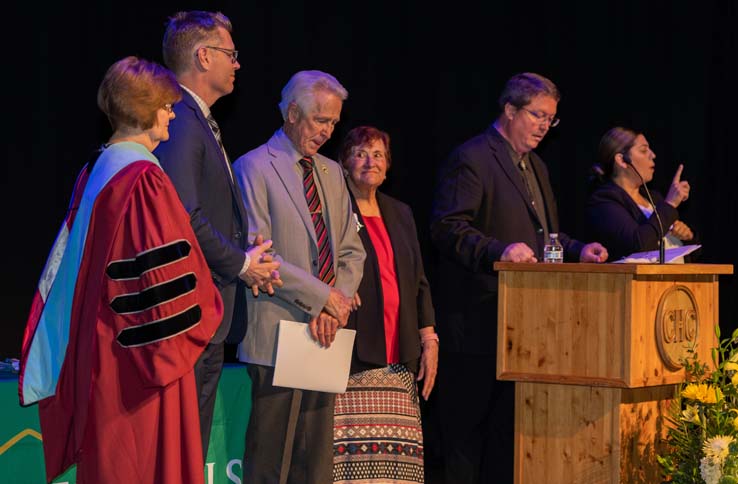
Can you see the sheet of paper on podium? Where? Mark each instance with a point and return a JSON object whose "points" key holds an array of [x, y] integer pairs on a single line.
{"points": [[652, 256], [303, 363]]}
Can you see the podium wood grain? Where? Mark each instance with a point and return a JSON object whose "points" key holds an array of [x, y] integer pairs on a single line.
{"points": [[561, 323], [591, 388]]}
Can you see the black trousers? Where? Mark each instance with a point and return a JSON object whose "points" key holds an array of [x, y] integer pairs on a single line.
{"points": [[290, 434], [476, 414], [207, 375]]}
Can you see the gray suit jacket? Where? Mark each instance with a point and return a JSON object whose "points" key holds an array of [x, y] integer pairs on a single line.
{"points": [[275, 200]]}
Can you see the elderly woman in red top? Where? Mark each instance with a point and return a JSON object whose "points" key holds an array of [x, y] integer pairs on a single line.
{"points": [[377, 431]]}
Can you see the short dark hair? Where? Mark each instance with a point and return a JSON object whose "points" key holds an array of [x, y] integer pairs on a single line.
{"points": [[616, 140], [133, 90], [362, 135], [520, 89], [185, 31]]}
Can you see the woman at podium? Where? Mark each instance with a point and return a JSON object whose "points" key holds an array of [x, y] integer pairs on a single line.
{"points": [[621, 212]]}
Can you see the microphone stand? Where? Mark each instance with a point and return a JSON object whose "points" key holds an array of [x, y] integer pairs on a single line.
{"points": [[662, 249]]}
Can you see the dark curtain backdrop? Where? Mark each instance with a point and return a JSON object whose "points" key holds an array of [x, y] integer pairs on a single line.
{"points": [[428, 75]]}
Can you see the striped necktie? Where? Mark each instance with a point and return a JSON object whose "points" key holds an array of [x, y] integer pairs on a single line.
{"points": [[216, 132], [325, 255]]}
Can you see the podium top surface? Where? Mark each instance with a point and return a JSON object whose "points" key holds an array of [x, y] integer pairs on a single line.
{"points": [[638, 269]]}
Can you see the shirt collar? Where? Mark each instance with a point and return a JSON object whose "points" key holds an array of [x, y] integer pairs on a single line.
{"points": [[203, 106]]}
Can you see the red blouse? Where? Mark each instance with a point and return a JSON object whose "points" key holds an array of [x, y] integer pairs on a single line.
{"points": [[391, 292]]}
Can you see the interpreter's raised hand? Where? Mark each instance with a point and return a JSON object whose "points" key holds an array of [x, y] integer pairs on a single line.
{"points": [[593, 252], [262, 273], [681, 231], [428, 366], [338, 306], [323, 329], [679, 189], [518, 252]]}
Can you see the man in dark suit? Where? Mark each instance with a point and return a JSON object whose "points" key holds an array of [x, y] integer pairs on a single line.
{"points": [[199, 49], [493, 202]]}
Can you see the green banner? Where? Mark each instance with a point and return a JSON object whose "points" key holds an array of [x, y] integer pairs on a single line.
{"points": [[22, 456]]}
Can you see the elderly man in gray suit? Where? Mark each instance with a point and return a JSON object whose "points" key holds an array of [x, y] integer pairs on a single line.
{"points": [[299, 199]]}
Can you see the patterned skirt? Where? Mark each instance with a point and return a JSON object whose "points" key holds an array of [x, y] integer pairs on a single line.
{"points": [[377, 435]]}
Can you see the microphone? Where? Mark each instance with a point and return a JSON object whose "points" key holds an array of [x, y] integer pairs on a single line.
{"points": [[662, 249]]}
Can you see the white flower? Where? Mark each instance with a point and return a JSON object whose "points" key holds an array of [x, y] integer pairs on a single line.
{"points": [[692, 414], [358, 224], [717, 448], [710, 470]]}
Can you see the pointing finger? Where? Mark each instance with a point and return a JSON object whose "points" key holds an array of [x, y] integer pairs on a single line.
{"points": [[678, 175]]}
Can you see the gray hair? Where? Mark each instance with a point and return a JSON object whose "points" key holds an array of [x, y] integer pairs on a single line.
{"points": [[302, 86]]}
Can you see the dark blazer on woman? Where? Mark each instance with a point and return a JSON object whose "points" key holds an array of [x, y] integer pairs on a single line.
{"points": [[416, 308], [616, 221]]}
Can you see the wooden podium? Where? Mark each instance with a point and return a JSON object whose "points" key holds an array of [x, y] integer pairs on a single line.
{"points": [[594, 350]]}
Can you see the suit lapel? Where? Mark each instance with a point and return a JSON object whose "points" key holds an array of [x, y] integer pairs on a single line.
{"points": [[499, 148], [372, 263], [546, 192], [214, 146], [285, 169]]}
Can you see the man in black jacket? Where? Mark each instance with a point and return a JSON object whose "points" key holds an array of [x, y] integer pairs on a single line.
{"points": [[493, 202]]}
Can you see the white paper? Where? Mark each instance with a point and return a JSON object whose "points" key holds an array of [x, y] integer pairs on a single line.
{"points": [[303, 363], [652, 256]]}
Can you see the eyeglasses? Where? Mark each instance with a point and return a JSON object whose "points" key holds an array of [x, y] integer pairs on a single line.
{"points": [[375, 155], [542, 118], [168, 108], [233, 53]]}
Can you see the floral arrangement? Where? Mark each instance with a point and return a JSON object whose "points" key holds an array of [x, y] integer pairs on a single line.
{"points": [[702, 439]]}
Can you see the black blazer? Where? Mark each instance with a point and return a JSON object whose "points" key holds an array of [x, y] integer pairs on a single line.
{"points": [[480, 207], [416, 308], [615, 220], [194, 161]]}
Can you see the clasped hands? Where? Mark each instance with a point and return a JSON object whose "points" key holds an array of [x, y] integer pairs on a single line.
{"points": [[262, 273], [334, 315]]}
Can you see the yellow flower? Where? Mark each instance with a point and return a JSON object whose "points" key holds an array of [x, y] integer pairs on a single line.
{"points": [[712, 395], [694, 391], [692, 414], [730, 366], [702, 392], [734, 379], [718, 447]]}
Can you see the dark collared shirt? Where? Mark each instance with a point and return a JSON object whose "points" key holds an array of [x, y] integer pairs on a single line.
{"points": [[523, 166]]}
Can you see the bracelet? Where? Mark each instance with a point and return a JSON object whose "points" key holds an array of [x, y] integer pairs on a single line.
{"points": [[429, 337]]}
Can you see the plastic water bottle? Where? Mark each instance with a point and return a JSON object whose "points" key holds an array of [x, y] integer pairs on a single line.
{"points": [[553, 252]]}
